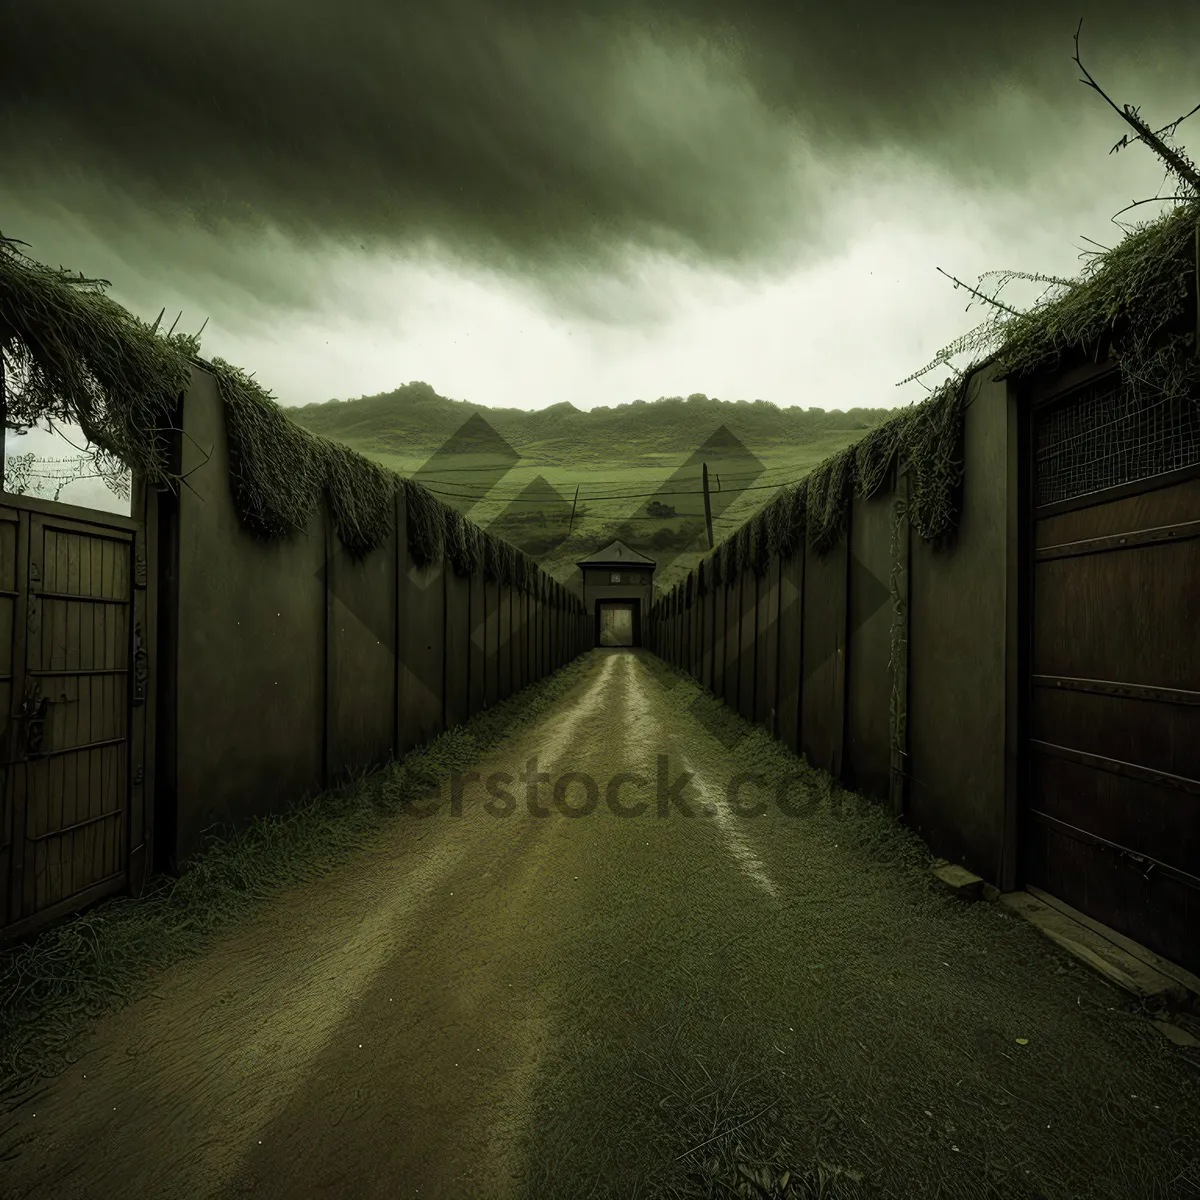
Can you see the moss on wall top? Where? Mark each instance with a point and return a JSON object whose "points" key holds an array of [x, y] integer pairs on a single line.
{"points": [[71, 354], [74, 355], [1134, 304]]}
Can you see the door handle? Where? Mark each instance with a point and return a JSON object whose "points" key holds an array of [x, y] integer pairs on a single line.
{"points": [[35, 727], [34, 711]]}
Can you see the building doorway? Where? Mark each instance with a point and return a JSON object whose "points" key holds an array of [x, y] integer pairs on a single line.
{"points": [[617, 623]]}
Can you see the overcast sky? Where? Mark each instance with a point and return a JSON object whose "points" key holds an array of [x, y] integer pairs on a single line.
{"points": [[596, 202]]}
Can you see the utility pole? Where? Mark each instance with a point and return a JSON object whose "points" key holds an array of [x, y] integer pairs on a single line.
{"points": [[707, 507], [573, 503]]}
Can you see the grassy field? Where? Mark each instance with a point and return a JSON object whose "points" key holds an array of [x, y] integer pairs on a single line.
{"points": [[612, 502], [560, 483]]}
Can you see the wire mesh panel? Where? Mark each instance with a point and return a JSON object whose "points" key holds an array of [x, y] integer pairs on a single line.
{"points": [[1105, 435]]}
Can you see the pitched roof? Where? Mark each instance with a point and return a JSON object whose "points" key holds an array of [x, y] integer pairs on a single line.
{"points": [[615, 553]]}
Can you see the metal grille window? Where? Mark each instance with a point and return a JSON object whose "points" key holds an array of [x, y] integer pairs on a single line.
{"points": [[1104, 436]]}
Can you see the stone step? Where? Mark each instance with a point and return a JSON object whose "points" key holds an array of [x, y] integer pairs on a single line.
{"points": [[958, 880]]}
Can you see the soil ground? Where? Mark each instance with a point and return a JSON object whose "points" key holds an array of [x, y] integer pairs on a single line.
{"points": [[504, 1004]]}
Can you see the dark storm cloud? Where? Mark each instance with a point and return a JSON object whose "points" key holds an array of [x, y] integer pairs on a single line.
{"points": [[539, 137]]}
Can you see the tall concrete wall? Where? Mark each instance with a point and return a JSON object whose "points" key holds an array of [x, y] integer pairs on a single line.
{"points": [[250, 709], [959, 634], [289, 664], [806, 650]]}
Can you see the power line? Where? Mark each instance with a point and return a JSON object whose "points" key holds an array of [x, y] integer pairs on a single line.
{"points": [[604, 499], [728, 477]]}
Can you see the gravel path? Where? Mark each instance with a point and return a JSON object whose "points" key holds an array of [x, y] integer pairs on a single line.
{"points": [[489, 1003]]}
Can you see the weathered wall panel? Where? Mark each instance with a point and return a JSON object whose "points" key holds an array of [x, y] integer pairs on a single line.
{"points": [[791, 631], [958, 634], [720, 618], [491, 630], [520, 665], [556, 630], [475, 647], [733, 598], [747, 633], [535, 638], [822, 696], [458, 642], [504, 685], [361, 681], [766, 646], [867, 765], [250, 659], [543, 626], [706, 638], [422, 653]]}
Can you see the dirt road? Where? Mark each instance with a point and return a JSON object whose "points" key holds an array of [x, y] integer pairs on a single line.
{"points": [[513, 996]]}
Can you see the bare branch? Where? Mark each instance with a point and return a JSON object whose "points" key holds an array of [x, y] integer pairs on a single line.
{"points": [[1169, 129], [980, 295], [1148, 200], [1178, 162]]}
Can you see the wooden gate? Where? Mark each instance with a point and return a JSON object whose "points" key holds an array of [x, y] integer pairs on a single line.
{"points": [[74, 679], [1112, 806]]}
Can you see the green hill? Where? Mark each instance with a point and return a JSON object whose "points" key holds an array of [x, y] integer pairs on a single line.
{"points": [[415, 419], [517, 471]]}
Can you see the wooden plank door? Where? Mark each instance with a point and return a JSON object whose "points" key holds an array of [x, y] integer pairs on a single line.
{"points": [[1112, 807], [78, 674]]}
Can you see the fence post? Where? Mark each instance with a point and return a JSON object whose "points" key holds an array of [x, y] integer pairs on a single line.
{"points": [[708, 503]]}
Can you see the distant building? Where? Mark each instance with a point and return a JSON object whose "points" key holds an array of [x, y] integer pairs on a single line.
{"points": [[618, 587]]}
